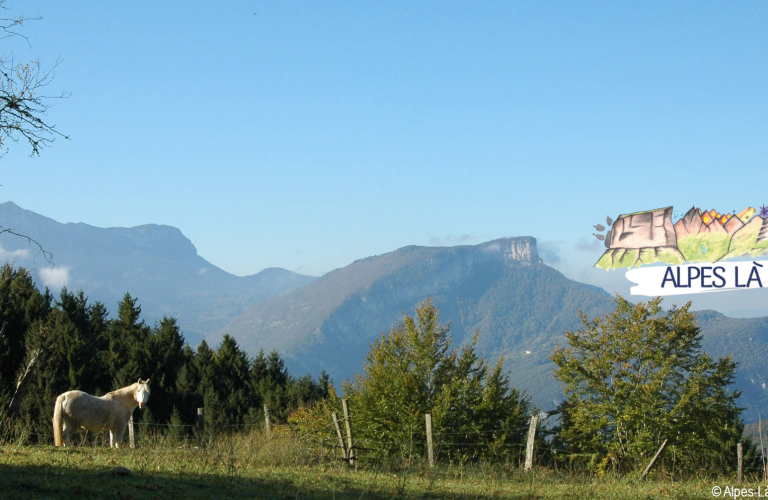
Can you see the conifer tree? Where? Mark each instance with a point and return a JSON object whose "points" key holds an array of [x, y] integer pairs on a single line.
{"points": [[188, 398], [204, 368], [20, 305], [129, 344], [166, 358], [231, 382]]}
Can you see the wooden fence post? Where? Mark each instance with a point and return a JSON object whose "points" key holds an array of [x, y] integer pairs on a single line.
{"points": [[338, 433], [348, 425], [131, 437], [740, 457], [267, 422], [653, 460], [201, 419], [430, 452], [529, 445]]}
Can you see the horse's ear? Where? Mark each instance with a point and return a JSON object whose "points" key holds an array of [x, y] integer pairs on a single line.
{"points": [[146, 381], [139, 381]]}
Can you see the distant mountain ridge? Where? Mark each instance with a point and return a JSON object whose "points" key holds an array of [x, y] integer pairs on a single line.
{"points": [[155, 263], [521, 307], [501, 287]]}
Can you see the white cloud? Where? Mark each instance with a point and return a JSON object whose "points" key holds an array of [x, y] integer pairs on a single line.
{"points": [[202, 270], [13, 255], [54, 278]]}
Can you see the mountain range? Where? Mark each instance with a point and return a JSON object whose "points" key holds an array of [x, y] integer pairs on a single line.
{"points": [[502, 289], [520, 307], [155, 263]]}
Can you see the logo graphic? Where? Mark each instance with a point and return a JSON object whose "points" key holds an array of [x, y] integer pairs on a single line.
{"points": [[699, 236]]}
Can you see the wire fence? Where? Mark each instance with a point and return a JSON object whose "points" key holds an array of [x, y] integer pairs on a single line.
{"points": [[327, 443]]}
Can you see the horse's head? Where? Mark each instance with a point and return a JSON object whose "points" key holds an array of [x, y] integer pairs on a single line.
{"points": [[142, 393]]}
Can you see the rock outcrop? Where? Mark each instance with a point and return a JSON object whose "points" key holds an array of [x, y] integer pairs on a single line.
{"points": [[520, 249]]}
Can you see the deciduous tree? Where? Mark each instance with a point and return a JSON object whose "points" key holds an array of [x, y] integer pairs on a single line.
{"points": [[638, 376], [413, 371]]}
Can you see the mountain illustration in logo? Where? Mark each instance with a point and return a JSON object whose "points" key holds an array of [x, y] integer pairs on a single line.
{"points": [[700, 235]]}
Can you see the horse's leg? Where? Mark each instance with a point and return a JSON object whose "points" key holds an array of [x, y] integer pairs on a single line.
{"points": [[66, 431], [111, 438], [69, 427], [120, 434]]}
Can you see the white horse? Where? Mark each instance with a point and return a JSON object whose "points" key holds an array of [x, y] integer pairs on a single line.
{"points": [[109, 412]]}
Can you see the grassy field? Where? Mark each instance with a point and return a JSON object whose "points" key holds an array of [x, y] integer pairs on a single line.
{"points": [[252, 467]]}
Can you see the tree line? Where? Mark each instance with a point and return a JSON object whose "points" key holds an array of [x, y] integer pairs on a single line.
{"points": [[82, 348]]}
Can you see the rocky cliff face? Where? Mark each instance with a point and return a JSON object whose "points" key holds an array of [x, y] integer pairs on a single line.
{"points": [[521, 249]]}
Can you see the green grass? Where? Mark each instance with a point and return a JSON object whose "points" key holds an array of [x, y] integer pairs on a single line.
{"points": [[252, 467]]}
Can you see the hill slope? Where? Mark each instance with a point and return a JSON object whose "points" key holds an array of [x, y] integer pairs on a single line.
{"points": [[746, 340], [502, 288], [155, 263], [520, 306]]}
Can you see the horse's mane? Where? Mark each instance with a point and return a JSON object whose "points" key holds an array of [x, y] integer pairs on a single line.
{"points": [[123, 391]]}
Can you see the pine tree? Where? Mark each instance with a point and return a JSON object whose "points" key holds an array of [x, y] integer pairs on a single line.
{"points": [[187, 397], [232, 366], [21, 304], [129, 344], [165, 359]]}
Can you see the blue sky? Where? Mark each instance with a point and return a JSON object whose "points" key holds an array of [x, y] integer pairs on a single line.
{"points": [[306, 135]]}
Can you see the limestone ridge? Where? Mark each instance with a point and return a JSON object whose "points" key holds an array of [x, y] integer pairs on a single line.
{"points": [[521, 249]]}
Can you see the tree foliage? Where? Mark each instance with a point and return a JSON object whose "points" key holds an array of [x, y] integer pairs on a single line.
{"points": [[413, 371], [82, 348], [638, 376]]}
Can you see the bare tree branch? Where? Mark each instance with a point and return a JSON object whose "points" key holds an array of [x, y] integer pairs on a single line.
{"points": [[48, 256], [22, 106]]}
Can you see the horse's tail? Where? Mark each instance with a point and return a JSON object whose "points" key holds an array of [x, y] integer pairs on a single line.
{"points": [[58, 425]]}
